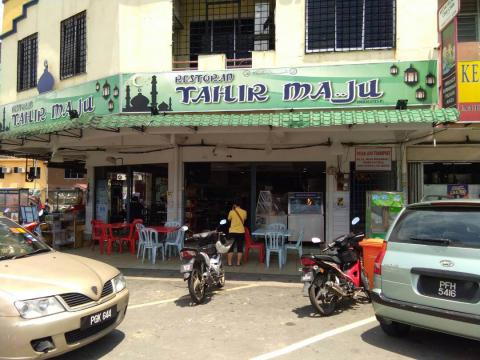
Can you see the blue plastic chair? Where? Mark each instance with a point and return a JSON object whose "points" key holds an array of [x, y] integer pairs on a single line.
{"points": [[175, 242], [152, 244], [141, 238], [277, 227], [295, 246], [274, 242]]}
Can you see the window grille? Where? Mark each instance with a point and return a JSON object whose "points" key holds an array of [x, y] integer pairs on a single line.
{"points": [[231, 27], [345, 25], [467, 21], [73, 45], [27, 63]]}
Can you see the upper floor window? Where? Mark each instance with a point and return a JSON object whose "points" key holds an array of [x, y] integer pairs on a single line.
{"points": [[27, 63], [468, 24], [231, 27], [344, 25], [73, 45], [74, 173]]}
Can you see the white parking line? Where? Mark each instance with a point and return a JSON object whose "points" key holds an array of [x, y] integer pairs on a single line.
{"points": [[314, 339], [153, 303], [259, 283]]}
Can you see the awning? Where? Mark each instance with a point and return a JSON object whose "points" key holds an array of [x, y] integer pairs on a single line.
{"points": [[292, 120]]}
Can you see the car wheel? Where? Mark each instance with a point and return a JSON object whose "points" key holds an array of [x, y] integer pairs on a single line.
{"points": [[393, 328]]}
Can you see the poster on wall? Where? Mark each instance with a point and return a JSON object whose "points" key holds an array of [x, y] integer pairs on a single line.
{"points": [[448, 66], [457, 191], [373, 158], [101, 201]]}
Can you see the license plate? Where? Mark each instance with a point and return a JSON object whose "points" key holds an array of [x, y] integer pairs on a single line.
{"points": [[453, 289], [186, 268], [98, 318], [307, 277]]}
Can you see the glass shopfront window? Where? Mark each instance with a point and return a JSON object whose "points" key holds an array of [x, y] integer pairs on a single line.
{"points": [[210, 188], [451, 180], [123, 193]]}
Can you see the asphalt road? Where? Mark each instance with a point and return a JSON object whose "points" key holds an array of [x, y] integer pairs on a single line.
{"points": [[254, 319]]}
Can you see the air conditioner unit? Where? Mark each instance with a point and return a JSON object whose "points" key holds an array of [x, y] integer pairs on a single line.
{"points": [[21, 170], [4, 170], [8, 170]]}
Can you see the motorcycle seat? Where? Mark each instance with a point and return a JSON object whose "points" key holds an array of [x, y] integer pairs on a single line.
{"points": [[330, 258]]}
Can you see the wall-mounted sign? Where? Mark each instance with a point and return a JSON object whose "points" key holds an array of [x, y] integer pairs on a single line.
{"points": [[447, 13], [469, 90], [457, 191], [449, 69], [320, 87], [373, 159], [56, 105]]}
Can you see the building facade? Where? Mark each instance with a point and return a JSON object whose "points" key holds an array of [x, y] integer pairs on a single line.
{"points": [[188, 104]]}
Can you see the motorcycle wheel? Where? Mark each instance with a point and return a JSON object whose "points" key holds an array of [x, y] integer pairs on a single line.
{"points": [[366, 286], [196, 287], [221, 279], [322, 299]]}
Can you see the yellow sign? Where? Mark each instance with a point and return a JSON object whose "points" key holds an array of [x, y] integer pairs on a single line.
{"points": [[468, 74]]}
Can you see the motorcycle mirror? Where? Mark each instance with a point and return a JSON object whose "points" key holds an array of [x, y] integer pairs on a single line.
{"points": [[184, 228], [40, 213], [316, 240], [223, 222], [355, 220]]}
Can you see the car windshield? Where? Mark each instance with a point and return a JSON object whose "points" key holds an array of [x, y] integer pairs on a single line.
{"points": [[442, 225], [17, 242]]}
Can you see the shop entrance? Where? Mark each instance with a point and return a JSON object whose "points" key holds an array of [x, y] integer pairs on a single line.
{"points": [[210, 188], [123, 193], [363, 181]]}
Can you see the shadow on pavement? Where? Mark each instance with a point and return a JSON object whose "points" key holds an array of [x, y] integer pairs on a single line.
{"points": [[344, 305], [424, 344], [186, 301], [97, 349]]}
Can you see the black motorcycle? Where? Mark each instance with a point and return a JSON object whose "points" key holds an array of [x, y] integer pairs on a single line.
{"points": [[202, 266]]}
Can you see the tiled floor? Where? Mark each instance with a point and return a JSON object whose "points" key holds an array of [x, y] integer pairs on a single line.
{"points": [[129, 261]]}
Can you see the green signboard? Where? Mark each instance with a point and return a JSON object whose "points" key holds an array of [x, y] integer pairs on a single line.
{"points": [[320, 87], [95, 97]]}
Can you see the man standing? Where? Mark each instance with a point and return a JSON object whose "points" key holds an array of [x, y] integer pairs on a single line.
{"points": [[237, 217]]}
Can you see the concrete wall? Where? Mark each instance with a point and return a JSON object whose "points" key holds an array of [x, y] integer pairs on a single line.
{"points": [[17, 180], [136, 36]]}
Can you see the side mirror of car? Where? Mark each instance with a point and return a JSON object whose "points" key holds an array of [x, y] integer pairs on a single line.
{"points": [[223, 222], [355, 220], [184, 228], [316, 240]]}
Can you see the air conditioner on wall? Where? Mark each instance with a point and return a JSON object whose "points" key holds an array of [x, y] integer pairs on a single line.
{"points": [[4, 170], [21, 170], [8, 170]]}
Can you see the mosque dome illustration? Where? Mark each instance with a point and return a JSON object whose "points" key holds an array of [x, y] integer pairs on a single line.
{"points": [[140, 103], [46, 81]]}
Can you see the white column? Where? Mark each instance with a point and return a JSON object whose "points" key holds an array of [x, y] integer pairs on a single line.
{"points": [[175, 186], [90, 200]]}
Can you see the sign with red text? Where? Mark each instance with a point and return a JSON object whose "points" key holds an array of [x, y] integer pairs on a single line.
{"points": [[373, 159]]}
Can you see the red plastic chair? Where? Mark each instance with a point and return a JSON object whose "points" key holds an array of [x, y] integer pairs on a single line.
{"points": [[97, 234], [129, 238], [249, 244]]}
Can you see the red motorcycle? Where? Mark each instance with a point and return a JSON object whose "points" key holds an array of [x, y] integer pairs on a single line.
{"points": [[335, 274]]}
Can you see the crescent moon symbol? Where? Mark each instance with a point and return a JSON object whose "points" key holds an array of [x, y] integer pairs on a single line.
{"points": [[134, 81]]}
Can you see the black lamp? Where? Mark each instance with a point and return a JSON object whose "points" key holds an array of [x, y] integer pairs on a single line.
{"points": [[410, 76], [97, 86], [111, 105], [394, 70], [73, 114], [420, 94], [430, 80], [106, 89], [116, 91]]}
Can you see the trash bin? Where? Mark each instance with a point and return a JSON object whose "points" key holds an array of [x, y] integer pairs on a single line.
{"points": [[371, 248]]}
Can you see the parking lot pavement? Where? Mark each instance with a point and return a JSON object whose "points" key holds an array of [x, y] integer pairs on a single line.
{"points": [[254, 319]]}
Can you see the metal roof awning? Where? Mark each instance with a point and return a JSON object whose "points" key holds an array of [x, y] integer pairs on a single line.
{"points": [[292, 120]]}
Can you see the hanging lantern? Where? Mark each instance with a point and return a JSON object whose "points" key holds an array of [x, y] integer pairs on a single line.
{"points": [[394, 70], [410, 76], [430, 80], [116, 91], [420, 94], [97, 86], [106, 89], [111, 105]]}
